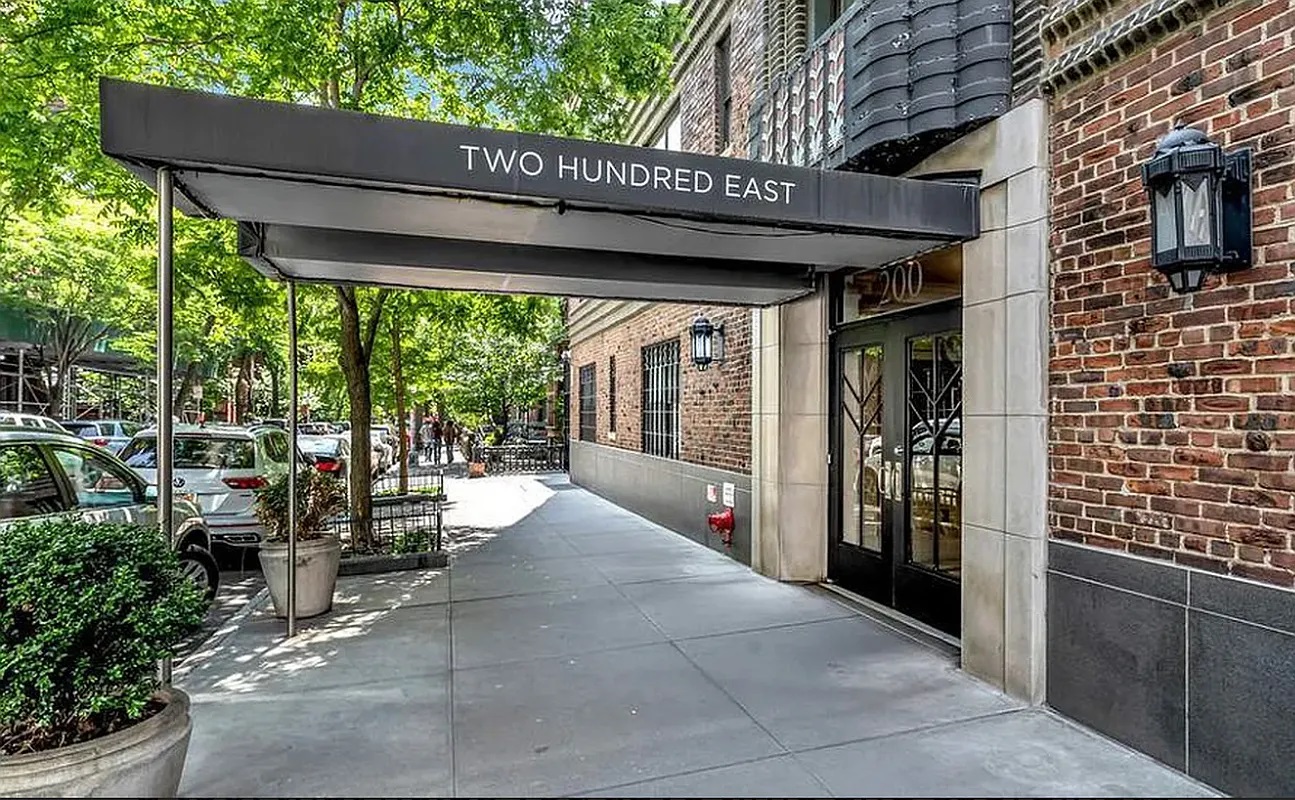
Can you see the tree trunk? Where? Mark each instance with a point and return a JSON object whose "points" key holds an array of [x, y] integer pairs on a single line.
{"points": [[357, 350], [274, 388], [243, 387], [402, 424]]}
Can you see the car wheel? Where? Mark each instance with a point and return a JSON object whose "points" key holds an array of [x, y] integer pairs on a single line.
{"points": [[198, 566]]}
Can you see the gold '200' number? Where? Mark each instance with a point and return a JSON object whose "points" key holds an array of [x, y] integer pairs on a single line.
{"points": [[901, 283]]}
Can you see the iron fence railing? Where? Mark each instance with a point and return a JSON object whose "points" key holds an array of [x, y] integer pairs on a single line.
{"points": [[422, 478], [402, 523], [522, 457]]}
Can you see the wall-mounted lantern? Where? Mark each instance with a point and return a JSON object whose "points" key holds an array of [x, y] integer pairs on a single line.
{"points": [[1200, 208], [707, 343]]}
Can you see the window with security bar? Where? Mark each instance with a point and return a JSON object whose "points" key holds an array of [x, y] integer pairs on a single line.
{"points": [[588, 404], [661, 399]]}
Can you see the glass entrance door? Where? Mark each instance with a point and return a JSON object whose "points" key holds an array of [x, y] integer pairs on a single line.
{"points": [[896, 522]]}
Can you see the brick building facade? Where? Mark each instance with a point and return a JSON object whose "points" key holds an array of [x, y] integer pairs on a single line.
{"points": [[1173, 416], [1116, 504], [715, 418], [714, 427]]}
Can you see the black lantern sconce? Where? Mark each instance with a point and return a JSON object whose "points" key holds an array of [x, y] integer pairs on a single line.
{"points": [[1200, 208], [707, 343]]}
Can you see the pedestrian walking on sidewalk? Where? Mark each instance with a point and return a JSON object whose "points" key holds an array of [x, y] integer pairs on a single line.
{"points": [[425, 439], [451, 434], [437, 431]]}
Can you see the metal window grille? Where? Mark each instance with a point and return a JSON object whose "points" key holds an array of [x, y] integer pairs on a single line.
{"points": [[611, 394], [661, 399], [588, 404]]}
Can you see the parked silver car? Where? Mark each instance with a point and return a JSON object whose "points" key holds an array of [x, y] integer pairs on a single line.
{"points": [[43, 474], [110, 434]]}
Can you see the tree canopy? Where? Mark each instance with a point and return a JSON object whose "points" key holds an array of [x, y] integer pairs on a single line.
{"points": [[568, 67]]}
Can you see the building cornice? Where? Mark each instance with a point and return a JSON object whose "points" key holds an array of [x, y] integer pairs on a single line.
{"points": [[1109, 44]]}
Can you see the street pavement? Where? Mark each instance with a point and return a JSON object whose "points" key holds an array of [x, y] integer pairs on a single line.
{"points": [[573, 648]]}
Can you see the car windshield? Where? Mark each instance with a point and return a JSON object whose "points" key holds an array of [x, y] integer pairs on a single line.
{"points": [[192, 452]]}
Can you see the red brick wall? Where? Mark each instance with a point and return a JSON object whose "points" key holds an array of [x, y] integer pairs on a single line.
{"points": [[716, 404], [715, 412], [697, 101], [1173, 417]]}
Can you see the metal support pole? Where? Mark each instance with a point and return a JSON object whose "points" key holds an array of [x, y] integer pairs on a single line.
{"points": [[292, 459], [22, 375], [165, 361]]}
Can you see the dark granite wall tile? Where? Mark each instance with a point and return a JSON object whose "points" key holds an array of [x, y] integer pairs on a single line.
{"points": [[1252, 602], [1140, 575], [1115, 662], [1242, 706]]}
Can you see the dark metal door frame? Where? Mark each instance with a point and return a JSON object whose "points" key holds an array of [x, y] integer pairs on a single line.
{"points": [[887, 577]]}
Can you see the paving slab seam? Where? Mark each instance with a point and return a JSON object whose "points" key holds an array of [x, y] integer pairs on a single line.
{"points": [[1096, 734], [699, 771], [231, 626], [707, 676], [667, 639], [449, 680], [920, 729], [327, 687]]}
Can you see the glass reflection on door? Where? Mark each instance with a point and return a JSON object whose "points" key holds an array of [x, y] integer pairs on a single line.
{"points": [[933, 452], [861, 446]]}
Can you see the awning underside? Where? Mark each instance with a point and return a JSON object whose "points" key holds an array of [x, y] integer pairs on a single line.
{"points": [[341, 197]]}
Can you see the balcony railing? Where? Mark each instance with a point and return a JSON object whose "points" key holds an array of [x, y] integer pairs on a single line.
{"points": [[888, 83]]}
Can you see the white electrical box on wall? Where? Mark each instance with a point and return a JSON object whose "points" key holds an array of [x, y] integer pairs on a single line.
{"points": [[710, 493], [730, 492]]}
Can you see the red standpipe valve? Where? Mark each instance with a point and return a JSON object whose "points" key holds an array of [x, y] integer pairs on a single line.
{"points": [[721, 522]]}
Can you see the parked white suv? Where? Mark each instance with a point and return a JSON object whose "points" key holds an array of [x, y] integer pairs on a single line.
{"points": [[222, 467], [15, 419], [43, 473]]}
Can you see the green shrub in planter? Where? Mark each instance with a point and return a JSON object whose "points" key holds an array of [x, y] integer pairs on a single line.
{"points": [[86, 612], [319, 497]]}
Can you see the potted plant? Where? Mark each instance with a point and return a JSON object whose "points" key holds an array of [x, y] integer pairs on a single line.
{"points": [[319, 497], [86, 612]]}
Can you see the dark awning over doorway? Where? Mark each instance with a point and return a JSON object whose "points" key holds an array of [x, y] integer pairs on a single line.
{"points": [[338, 196]]}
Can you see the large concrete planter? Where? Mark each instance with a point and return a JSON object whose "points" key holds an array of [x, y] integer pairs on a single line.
{"points": [[317, 561], [144, 760]]}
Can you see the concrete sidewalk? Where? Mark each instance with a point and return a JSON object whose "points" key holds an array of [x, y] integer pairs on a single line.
{"points": [[574, 648]]}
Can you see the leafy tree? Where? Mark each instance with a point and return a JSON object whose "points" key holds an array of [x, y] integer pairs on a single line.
{"points": [[78, 280], [559, 66]]}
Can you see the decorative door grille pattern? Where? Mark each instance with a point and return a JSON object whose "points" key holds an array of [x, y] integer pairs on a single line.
{"points": [[661, 399], [862, 394], [588, 404], [934, 452]]}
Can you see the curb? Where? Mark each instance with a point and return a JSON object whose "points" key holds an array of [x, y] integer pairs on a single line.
{"points": [[367, 565]]}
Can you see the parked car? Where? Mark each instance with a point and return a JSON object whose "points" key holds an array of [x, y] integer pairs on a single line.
{"points": [[222, 467], [43, 473], [315, 428], [16, 419], [331, 454], [110, 434]]}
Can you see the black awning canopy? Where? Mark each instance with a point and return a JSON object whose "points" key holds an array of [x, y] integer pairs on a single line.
{"points": [[338, 196]]}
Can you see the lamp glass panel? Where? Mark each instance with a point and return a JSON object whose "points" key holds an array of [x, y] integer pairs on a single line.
{"points": [[1195, 279], [1197, 227], [701, 347], [1177, 281], [1165, 225]]}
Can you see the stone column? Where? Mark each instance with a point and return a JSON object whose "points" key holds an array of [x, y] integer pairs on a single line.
{"points": [[1004, 418], [789, 442]]}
